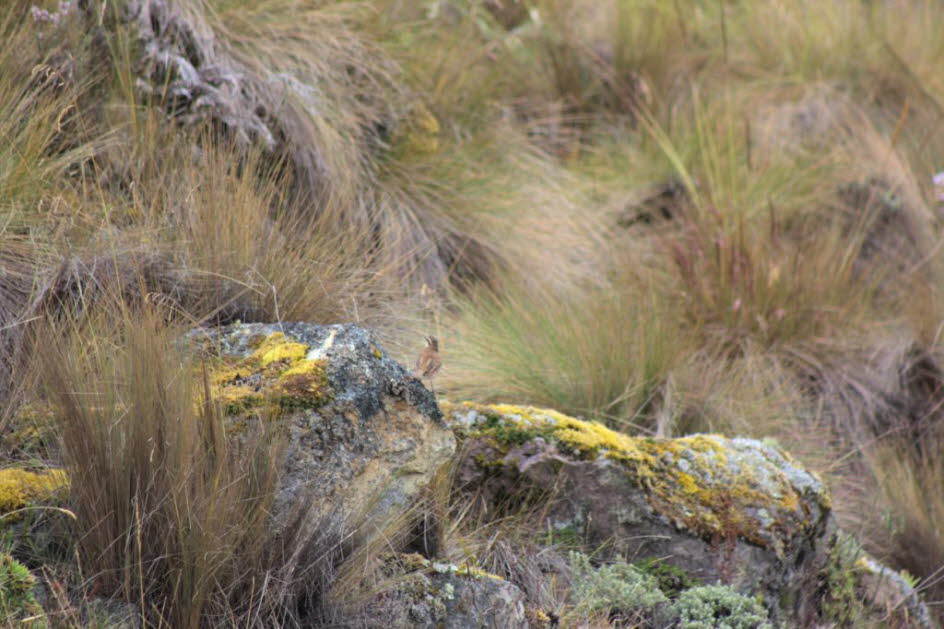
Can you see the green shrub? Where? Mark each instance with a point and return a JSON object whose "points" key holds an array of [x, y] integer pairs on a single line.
{"points": [[618, 588], [16, 590], [718, 607]]}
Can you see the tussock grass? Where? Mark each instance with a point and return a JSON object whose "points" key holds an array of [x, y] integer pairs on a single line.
{"points": [[603, 352], [771, 302], [173, 510], [171, 514], [477, 171]]}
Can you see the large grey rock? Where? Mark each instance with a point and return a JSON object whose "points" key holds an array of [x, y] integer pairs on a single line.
{"points": [[733, 511], [364, 436]]}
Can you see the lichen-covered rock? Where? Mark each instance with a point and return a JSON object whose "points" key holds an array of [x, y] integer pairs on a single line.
{"points": [[888, 595], [734, 511], [445, 596], [363, 434]]}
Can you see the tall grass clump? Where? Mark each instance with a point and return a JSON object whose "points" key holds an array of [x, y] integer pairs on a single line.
{"points": [[603, 352], [172, 512], [44, 84], [758, 251], [244, 248]]}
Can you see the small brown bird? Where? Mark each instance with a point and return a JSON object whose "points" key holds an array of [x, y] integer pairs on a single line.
{"points": [[428, 362]]}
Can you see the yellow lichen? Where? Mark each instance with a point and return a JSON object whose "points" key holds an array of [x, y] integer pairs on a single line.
{"points": [[537, 617], [276, 349], [303, 367], [470, 570], [303, 384], [687, 483], [692, 479], [20, 488], [276, 375], [236, 398]]}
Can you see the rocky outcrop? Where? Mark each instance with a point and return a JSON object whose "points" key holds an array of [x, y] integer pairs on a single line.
{"points": [[443, 595], [364, 436], [728, 532], [735, 511]]}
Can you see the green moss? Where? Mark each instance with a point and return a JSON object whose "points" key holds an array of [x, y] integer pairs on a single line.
{"points": [[473, 571], [509, 434], [563, 536], [700, 482], [276, 376], [21, 488], [33, 429], [671, 580]]}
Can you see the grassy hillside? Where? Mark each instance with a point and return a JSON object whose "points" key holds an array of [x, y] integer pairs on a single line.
{"points": [[675, 217]]}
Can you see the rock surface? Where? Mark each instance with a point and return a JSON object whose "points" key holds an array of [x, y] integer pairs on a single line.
{"points": [[732, 511], [445, 596], [364, 436], [890, 596]]}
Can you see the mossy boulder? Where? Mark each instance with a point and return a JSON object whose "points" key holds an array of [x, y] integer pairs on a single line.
{"points": [[363, 435], [733, 511]]}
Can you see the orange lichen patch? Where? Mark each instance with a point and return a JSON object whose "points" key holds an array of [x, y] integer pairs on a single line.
{"points": [[20, 488], [276, 375], [717, 487]]}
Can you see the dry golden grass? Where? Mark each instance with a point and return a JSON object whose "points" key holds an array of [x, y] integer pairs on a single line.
{"points": [[455, 170], [171, 515]]}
